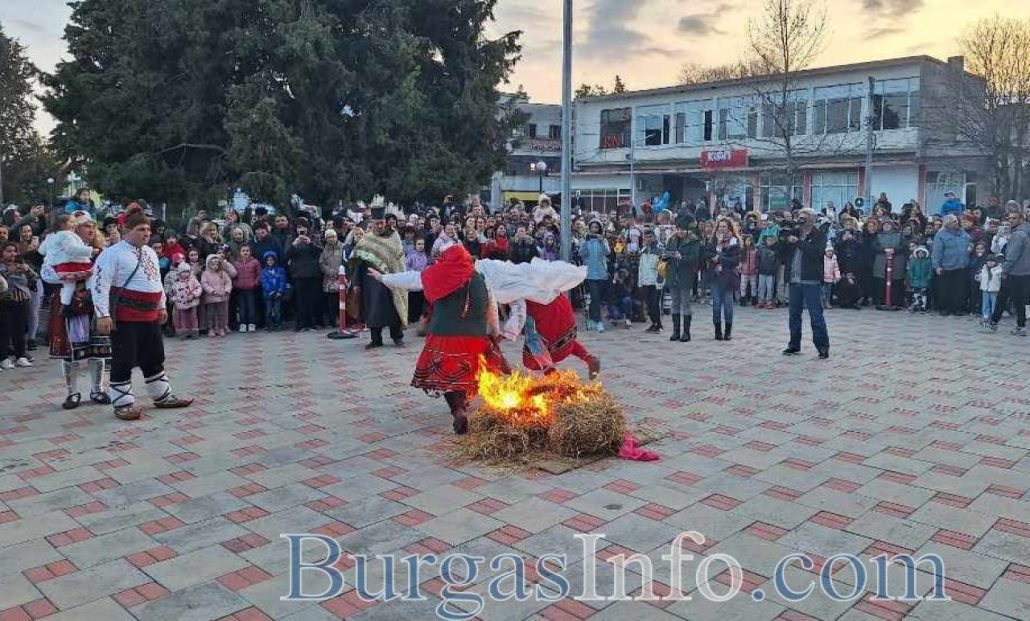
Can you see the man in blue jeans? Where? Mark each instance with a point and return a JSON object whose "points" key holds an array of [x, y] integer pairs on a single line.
{"points": [[806, 247]]}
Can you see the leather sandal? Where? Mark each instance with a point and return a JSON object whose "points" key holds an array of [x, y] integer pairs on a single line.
{"points": [[72, 401], [172, 402], [100, 398], [129, 412]]}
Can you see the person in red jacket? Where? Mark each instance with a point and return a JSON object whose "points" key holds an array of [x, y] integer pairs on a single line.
{"points": [[246, 286]]}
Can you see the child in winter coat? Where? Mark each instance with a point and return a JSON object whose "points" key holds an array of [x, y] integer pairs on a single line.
{"points": [[976, 262], [990, 284], [246, 284], [831, 275], [768, 263], [217, 285], [748, 271], [273, 288], [919, 268], [185, 295], [620, 300]]}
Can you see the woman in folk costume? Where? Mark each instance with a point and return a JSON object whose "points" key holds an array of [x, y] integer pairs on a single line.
{"points": [[458, 337], [540, 307], [380, 251], [71, 332]]}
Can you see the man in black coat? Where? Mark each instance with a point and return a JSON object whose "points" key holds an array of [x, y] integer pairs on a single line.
{"points": [[806, 247]]}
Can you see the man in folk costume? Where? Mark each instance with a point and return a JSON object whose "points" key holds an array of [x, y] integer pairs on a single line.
{"points": [[458, 338], [380, 251], [540, 308], [129, 299]]}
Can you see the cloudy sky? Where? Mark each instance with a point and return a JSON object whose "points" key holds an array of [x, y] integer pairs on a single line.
{"points": [[645, 41]]}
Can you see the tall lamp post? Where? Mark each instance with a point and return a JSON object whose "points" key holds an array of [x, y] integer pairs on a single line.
{"points": [[541, 169], [50, 182], [566, 132]]}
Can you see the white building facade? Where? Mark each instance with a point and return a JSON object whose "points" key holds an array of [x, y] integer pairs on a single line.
{"points": [[538, 140], [724, 141]]}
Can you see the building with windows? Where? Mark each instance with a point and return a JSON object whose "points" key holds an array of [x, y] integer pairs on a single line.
{"points": [[538, 140], [764, 143]]}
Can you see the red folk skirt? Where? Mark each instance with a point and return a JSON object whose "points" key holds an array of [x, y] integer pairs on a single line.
{"points": [[452, 363], [556, 324]]}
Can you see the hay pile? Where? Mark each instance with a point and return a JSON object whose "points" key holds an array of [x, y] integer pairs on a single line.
{"points": [[581, 428], [581, 423]]}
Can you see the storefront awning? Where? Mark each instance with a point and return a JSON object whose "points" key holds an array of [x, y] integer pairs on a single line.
{"points": [[522, 196]]}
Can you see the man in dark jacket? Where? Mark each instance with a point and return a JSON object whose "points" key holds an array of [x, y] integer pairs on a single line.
{"points": [[806, 249], [306, 275], [264, 242], [523, 247]]}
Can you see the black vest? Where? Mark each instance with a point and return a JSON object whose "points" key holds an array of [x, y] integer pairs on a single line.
{"points": [[447, 317]]}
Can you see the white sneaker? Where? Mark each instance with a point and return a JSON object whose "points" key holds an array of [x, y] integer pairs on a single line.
{"points": [[251, 327], [22, 362], [243, 329], [6, 364]]}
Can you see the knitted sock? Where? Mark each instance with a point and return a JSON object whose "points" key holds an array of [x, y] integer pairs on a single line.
{"points": [[158, 387], [96, 371], [71, 376]]}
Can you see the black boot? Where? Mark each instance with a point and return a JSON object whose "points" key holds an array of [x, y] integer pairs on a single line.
{"points": [[718, 330], [456, 401], [675, 328], [729, 332], [686, 328]]}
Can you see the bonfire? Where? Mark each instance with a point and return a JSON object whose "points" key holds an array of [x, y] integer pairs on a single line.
{"points": [[520, 414]]}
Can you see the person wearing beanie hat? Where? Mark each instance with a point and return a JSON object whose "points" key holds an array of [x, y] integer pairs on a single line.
{"points": [[186, 294], [217, 285], [380, 251], [127, 288]]}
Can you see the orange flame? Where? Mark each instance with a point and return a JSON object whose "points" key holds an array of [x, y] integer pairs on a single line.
{"points": [[528, 400]]}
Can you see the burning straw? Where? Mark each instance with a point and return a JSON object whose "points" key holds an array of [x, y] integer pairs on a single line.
{"points": [[521, 414]]}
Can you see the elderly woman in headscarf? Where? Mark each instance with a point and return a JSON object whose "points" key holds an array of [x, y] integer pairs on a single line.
{"points": [[329, 262], [889, 242]]}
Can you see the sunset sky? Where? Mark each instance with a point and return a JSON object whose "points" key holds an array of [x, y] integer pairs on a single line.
{"points": [[645, 41]]}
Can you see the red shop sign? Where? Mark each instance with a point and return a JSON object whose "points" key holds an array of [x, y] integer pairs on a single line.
{"points": [[724, 158]]}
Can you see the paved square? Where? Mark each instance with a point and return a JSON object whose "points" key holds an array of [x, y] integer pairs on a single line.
{"points": [[913, 437]]}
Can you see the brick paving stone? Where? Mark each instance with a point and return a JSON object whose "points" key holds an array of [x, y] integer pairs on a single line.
{"points": [[87, 585], [196, 603], [105, 609], [194, 568]]}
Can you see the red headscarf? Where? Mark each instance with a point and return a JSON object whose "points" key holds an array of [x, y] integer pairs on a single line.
{"points": [[452, 269]]}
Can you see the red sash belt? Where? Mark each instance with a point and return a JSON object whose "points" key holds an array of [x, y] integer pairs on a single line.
{"points": [[135, 306]]}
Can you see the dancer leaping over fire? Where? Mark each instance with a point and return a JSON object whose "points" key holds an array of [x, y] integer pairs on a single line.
{"points": [[535, 293], [461, 329]]}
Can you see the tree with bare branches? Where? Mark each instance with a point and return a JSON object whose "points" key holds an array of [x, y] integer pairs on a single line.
{"points": [[991, 111], [697, 73], [784, 40]]}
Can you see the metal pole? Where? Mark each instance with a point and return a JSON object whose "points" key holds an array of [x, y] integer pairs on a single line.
{"points": [[566, 134], [870, 139], [633, 173], [1, 176]]}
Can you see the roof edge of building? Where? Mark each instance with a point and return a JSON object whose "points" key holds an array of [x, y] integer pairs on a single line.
{"points": [[815, 71]]}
